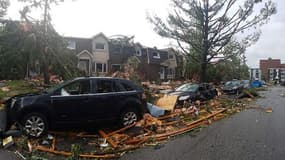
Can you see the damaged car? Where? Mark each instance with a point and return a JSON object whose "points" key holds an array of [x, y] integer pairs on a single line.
{"points": [[190, 92], [233, 87], [80, 101]]}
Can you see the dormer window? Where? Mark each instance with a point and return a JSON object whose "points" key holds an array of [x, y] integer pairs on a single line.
{"points": [[156, 55], [71, 45], [100, 46], [138, 52], [170, 56]]}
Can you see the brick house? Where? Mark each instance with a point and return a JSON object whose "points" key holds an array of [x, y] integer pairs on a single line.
{"points": [[99, 56], [272, 69]]}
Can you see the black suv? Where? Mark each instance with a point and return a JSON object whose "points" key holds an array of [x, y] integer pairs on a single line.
{"points": [[79, 101]]}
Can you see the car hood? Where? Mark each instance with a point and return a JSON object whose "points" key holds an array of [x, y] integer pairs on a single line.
{"points": [[25, 99]]}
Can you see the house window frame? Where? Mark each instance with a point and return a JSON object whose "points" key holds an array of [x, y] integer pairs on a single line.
{"points": [[138, 51], [171, 56], [96, 44], [156, 56], [116, 65], [103, 65], [71, 45]]}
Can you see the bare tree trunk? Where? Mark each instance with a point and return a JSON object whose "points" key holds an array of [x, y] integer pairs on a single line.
{"points": [[203, 64], [45, 48]]}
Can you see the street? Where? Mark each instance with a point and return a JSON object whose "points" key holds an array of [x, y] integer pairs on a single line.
{"points": [[249, 135]]}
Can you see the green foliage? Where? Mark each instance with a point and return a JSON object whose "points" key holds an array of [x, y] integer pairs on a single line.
{"points": [[75, 152], [17, 87], [3, 7], [205, 29], [21, 51]]}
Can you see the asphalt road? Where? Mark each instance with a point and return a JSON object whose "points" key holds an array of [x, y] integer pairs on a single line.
{"points": [[249, 135]]}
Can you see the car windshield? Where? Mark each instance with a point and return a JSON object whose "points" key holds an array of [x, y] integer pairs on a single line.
{"points": [[245, 81], [187, 88], [232, 83]]}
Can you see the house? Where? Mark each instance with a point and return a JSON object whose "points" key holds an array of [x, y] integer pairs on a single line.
{"points": [[254, 73], [92, 53], [272, 69], [100, 56]]}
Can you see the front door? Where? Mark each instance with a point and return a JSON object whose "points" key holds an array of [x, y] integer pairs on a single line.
{"points": [[84, 65], [162, 73]]}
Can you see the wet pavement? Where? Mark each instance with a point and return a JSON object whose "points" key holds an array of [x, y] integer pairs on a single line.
{"points": [[249, 135]]}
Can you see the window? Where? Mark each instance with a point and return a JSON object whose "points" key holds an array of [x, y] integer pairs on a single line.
{"points": [[104, 86], [101, 67], [116, 67], [71, 45], [156, 55], [76, 88], [170, 56], [105, 68], [170, 71], [138, 51], [100, 46]]}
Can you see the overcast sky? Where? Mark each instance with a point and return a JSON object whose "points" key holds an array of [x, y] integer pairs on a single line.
{"points": [[86, 18]]}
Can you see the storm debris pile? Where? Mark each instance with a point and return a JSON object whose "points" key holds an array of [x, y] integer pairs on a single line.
{"points": [[149, 130]]}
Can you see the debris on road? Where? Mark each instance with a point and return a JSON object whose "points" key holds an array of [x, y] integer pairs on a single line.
{"points": [[5, 89], [7, 142], [165, 120]]}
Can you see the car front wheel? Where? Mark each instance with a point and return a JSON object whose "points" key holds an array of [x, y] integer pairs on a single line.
{"points": [[35, 124], [129, 117]]}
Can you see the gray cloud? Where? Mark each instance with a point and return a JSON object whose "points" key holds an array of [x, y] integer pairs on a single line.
{"points": [[271, 43]]}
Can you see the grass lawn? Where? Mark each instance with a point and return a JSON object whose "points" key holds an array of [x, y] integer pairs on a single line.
{"points": [[17, 87]]}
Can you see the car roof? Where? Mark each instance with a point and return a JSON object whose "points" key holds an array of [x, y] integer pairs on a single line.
{"points": [[79, 78]]}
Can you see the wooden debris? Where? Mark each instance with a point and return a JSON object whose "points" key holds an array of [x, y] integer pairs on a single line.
{"points": [[7, 142], [104, 135], [167, 102], [269, 110], [249, 94]]}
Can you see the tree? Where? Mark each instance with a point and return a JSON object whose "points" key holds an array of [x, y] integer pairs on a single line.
{"points": [[207, 26], [45, 51], [3, 7]]}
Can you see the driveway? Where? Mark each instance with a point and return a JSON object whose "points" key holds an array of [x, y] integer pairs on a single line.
{"points": [[249, 135]]}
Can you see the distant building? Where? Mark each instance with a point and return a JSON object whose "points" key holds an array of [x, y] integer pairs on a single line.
{"points": [[254, 73], [272, 69], [101, 56]]}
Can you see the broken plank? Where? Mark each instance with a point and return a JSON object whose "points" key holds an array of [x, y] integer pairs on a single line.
{"points": [[104, 135]]}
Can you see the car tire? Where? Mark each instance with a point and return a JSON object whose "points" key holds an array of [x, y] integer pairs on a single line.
{"points": [[129, 116], [35, 124]]}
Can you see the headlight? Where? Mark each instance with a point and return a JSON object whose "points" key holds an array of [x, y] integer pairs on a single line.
{"points": [[235, 87], [183, 98], [13, 102]]}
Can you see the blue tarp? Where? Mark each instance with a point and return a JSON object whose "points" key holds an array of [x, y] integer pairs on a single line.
{"points": [[256, 83], [155, 110]]}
